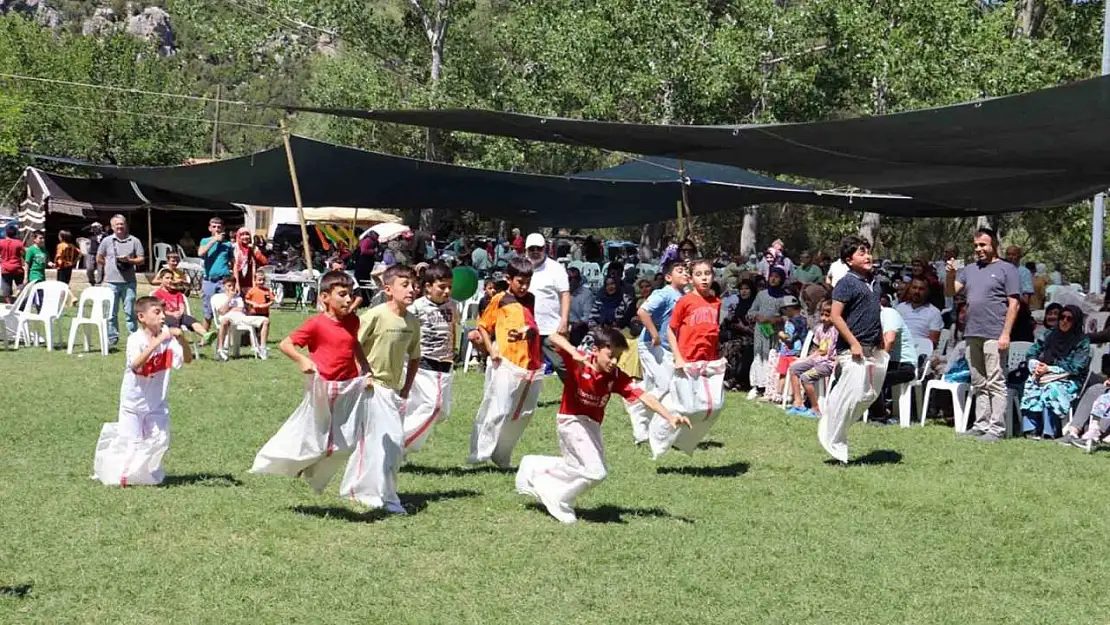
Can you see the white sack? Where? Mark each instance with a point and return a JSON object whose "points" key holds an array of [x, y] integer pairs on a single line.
{"points": [[858, 383], [123, 459], [371, 474], [429, 402], [319, 435], [657, 368], [558, 481], [697, 392], [509, 399]]}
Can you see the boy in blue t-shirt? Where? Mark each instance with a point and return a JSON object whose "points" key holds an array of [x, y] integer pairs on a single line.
{"points": [[789, 341], [656, 359]]}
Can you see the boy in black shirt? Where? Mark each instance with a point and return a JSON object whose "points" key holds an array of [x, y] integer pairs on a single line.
{"points": [[861, 362]]}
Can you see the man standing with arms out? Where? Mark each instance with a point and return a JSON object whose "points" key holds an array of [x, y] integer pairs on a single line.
{"points": [[1013, 254], [992, 288], [118, 255], [551, 288], [216, 252], [806, 271], [922, 318]]}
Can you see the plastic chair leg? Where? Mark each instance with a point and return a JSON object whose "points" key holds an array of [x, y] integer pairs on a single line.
{"points": [[49, 326], [903, 404], [73, 325], [103, 328]]}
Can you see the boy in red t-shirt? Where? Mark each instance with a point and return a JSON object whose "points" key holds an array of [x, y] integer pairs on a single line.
{"points": [[173, 303], [310, 444], [591, 377]]}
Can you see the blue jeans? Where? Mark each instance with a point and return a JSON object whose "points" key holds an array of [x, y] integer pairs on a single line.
{"points": [[1044, 423], [121, 292], [207, 290]]}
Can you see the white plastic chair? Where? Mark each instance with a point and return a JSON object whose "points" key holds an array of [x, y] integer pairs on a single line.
{"points": [[469, 314], [54, 297], [591, 275], [911, 393], [98, 300], [647, 270], [9, 315], [234, 331], [943, 343], [161, 254], [1096, 322], [958, 391], [85, 245]]}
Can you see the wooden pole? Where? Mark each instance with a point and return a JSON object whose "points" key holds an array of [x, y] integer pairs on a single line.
{"points": [[296, 194], [354, 237], [685, 203], [678, 223], [216, 124], [149, 238]]}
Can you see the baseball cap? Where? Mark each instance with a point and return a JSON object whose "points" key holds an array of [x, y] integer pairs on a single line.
{"points": [[789, 301], [534, 240]]}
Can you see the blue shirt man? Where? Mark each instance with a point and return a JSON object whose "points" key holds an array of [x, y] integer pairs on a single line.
{"points": [[216, 252]]}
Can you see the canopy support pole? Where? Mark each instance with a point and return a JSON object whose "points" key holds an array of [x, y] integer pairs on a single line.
{"points": [[296, 194], [1097, 212], [354, 237], [684, 205], [149, 238]]}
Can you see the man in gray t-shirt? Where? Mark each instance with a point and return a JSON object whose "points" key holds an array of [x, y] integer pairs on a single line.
{"points": [[119, 254], [992, 287]]}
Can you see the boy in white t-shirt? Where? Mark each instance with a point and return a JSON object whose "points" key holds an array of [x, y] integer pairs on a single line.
{"points": [[235, 311], [130, 451]]}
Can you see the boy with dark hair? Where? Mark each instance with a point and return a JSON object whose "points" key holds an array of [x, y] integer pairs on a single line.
{"points": [[130, 450], [656, 357], [390, 338], [430, 398], [861, 361], [591, 377], [514, 375], [173, 303], [323, 430]]}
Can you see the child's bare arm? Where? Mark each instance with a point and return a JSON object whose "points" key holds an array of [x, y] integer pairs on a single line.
{"points": [[488, 344], [653, 404], [559, 341], [410, 375], [362, 361], [148, 351], [186, 350], [672, 340], [303, 362]]}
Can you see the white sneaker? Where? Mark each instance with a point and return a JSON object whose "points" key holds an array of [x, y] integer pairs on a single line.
{"points": [[752, 394], [221, 354], [396, 508], [263, 353]]}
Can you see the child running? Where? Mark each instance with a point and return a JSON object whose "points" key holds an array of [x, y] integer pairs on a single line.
{"points": [[430, 398], [816, 366], [860, 358], [654, 346], [514, 374], [390, 337], [130, 450], [322, 431], [557, 481], [697, 386]]}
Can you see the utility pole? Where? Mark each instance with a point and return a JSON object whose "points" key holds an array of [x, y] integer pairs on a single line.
{"points": [[216, 125], [1097, 215]]}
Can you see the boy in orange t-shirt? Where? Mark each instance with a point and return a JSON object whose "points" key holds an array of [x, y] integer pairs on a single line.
{"points": [[259, 298]]}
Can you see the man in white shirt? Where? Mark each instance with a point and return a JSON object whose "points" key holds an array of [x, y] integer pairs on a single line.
{"points": [[837, 270], [551, 288], [922, 318]]}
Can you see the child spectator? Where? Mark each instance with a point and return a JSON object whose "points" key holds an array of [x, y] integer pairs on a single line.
{"points": [[332, 417], [130, 451], [817, 365], [234, 312], [513, 377], [66, 255], [390, 338], [789, 342], [173, 305], [591, 377], [259, 297], [430, 398], [12, 271], [36, 260], [171, 272]]}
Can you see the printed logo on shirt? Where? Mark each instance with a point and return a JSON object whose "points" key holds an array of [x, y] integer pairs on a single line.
{"points": [[157, 363], [704, 314]]}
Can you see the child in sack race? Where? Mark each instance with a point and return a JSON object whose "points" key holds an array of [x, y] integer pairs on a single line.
{"points": [[514, 374], [390, 338], [429, 401], [130, 450], [321, 433], [697, 386], [557, 481]]}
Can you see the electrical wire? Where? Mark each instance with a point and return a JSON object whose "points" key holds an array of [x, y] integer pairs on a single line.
{"points": [[55, 81], [90, 109]]}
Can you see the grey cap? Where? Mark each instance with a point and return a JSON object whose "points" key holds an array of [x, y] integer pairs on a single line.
{"points": [[788, 301]]}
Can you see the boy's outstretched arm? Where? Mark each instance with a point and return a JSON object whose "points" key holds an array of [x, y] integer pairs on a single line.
{"points": [[649, 400]]}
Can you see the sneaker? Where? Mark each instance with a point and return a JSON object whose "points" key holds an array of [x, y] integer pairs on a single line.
{"points": [[221, 354], [989, 438], [970, 433], [396, 508], [809, 414], [752, 394], [207, 338], [1069, 439], [263, 353], [796, 410], [557, 509]]}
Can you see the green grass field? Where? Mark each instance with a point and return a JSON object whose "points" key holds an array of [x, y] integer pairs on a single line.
{"points": [[755, 528]]}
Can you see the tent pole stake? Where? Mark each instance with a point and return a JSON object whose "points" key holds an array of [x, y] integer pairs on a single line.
{"points": [[296, 194]]}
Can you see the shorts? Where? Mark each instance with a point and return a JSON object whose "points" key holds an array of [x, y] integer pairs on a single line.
{"points": [[185, 322], [813, 369], [253, 321], [784, 364], [208, 289], [9, 281]]}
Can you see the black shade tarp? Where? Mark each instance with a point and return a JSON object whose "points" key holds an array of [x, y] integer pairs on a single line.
{"points": [[333, 175], [1038, 149]]}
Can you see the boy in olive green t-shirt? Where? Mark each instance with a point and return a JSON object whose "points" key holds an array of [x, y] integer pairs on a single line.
{"points": [[390, 337]]}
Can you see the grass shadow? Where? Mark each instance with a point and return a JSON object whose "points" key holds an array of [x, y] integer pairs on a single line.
{"points": [[22, 591], [617, 514], [200, 479], [877, 457], [419, 469], [412, 502], [710, 445], [728, 470], [548, 404]]}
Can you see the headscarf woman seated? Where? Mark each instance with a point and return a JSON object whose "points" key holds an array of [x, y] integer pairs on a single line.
{"points": [[1058, 364]]}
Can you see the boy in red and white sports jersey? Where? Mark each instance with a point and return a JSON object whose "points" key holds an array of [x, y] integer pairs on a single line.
{"points": [[591, 377], [130, 451]]}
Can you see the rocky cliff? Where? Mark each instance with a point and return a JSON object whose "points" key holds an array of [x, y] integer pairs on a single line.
{"points": [[151, 23]]}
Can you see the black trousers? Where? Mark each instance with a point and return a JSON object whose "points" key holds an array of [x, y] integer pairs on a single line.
{"points": [[896, 373]]}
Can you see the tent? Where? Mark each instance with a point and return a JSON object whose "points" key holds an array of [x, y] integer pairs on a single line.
{"points": [[1031, 150], [330, 215], [333, 175]]}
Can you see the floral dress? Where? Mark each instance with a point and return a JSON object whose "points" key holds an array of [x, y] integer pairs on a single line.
{"points": [[1056, 396]]}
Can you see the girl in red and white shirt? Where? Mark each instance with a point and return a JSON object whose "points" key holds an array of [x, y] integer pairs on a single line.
{"points": [[694, 329], [591, 378]]}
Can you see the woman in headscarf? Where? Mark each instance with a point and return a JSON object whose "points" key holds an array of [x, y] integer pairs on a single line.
{"points": [[1051, 320], [1057, 366], [613, 306], [247, 258], [764, 313], [736, 339]]}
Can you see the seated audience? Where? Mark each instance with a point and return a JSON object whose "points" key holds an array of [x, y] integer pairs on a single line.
{"points": [[1057, 366]]}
